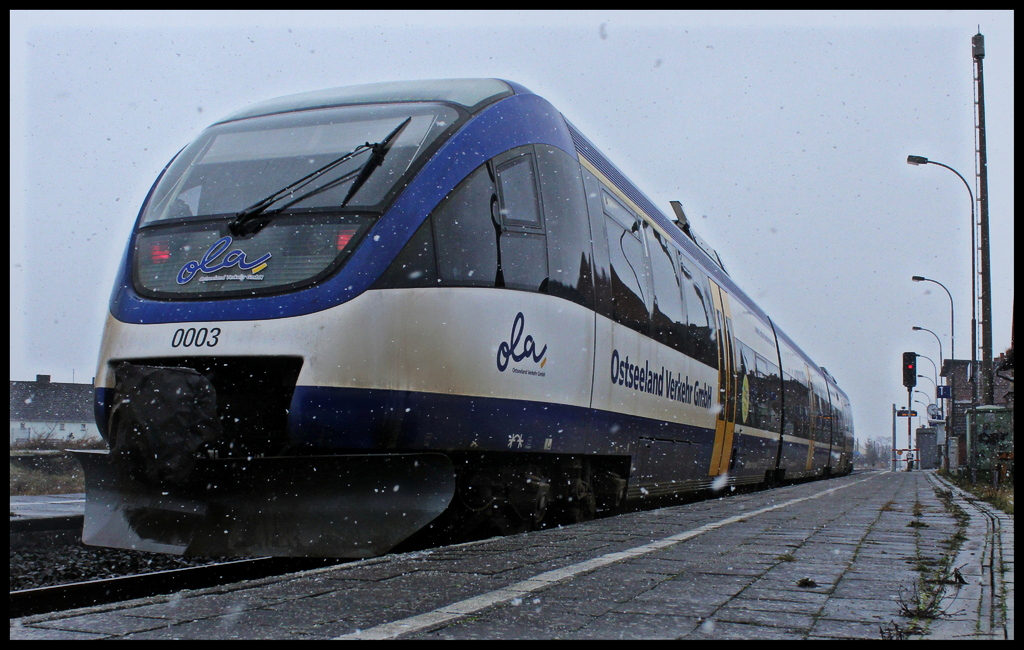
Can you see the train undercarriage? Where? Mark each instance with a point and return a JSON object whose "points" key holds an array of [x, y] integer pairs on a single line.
{"points": [[196, 469]]}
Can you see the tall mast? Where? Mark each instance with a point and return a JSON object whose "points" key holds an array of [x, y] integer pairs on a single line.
{"points": [[987, 388]]}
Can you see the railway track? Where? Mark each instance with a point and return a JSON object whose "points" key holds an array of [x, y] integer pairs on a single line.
{"points": [[57, 540], [54, 598]]}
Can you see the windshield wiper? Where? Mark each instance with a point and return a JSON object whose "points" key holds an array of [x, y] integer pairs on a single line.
{"points": [[376, 158], [237, 227], [378, 151]]}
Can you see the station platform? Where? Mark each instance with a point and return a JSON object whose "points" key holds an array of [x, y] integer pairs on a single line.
{"points": [[52, 505], [56, 513], [835, 559]]}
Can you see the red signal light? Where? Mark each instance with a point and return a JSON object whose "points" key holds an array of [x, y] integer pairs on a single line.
{"points": [[345, 235], [159, 253], [909, 369]]}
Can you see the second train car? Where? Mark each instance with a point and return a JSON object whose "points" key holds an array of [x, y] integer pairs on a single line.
{"points": [[350, 315]]}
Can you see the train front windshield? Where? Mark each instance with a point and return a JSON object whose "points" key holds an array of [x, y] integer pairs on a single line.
{"points": [[183, 247]]}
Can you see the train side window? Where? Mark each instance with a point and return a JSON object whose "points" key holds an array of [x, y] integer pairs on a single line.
{"points": [[797, 399], [602, 274], [772, 381], [790, 412], [822, 412], [753, 380], [701, 341], [415, 265], [630, 296], [570, 254], [517, 193], [518, 218], [746, 364], [668, 317], [465, 234]]}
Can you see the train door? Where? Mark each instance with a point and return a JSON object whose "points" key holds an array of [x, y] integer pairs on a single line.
{"points": [[725, 422]]}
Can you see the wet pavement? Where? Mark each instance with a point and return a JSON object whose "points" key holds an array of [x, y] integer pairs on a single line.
{"points": [[836, 559], [52, 505]]}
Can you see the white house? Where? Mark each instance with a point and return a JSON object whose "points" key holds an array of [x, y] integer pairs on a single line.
{"points": [[45, 410]]}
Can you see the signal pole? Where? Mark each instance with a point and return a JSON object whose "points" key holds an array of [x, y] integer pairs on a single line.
{"points": [[910, 381], [910, 445], [893, 453]]}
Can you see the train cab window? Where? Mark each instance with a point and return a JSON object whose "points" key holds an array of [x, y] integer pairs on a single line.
{"points": [[517, 192], [517, 216], [630, 294], [464, 234], [415, 266], [570, 256], [489, 231], [668, 318]]}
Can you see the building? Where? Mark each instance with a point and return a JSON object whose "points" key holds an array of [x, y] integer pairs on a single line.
{"points": [[958, 376], [45, 410]]}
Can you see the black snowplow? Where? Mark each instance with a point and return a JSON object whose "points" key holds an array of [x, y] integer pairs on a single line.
{"points": [[183, 477], [350, 506]]}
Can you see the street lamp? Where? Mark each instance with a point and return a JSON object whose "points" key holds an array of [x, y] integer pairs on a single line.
{"points": [[937, 339], [934, 367], [915, 328], [952, 335], [921, 160], [921, 419], [930, 360], [933, 384]]}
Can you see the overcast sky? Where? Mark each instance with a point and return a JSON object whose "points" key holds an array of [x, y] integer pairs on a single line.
{"points": [[784, 135]]}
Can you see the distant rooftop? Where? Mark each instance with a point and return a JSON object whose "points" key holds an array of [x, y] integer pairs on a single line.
{"points": [[45, 401]]}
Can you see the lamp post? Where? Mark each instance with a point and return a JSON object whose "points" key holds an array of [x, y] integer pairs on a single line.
{"points": [[925, 404], [952, 336], [921, 160], [928, 378], [934, 367], [941, 410], [937, 339], [916, 328]]}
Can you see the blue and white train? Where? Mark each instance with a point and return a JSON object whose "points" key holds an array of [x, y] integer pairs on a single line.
{"points": [[350, 315]]}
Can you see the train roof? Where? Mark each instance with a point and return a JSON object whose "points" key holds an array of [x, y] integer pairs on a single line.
{"points": [[471, 94]]}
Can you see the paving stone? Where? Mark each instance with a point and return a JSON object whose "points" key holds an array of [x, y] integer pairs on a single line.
{"points": [[727, 631], [617, 626], [833, 629], [859, 609], [105, 623], [791, 620]]}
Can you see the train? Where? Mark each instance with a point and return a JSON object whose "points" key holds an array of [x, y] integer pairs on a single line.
{"points": [[348, 318]]}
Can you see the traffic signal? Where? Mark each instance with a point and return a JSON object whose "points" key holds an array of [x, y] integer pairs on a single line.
{"points": [[910, 369]]}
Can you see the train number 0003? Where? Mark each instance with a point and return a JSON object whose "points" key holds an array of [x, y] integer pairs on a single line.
{"points": [[192, 337]]}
